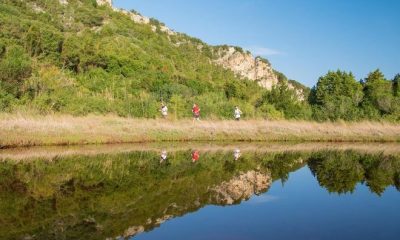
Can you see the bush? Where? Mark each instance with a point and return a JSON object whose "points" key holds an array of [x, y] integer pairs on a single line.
{"points": [[15, 67], [6, 99], [268, 111]]}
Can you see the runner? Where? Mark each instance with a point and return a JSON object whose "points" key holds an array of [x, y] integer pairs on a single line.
{"points": [[195, 156], [237, 113], [164, 110], [196, 112]]}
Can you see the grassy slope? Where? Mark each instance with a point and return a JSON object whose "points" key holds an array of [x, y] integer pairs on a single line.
{"points": [[65, 130], [89, 59]]}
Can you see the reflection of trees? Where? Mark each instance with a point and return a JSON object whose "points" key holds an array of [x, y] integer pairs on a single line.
{"points": [[282, 164], [337, 172], [341, 171], [381, 172], [397, 180], [110, 195]]}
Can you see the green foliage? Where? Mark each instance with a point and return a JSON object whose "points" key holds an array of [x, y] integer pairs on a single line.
{"points": [[83, 58], [378, 93], [15, 67], [338, 172], [6, 99], [337, 95], [178, 106], [286, 101], [42, 40], [396, 87]]}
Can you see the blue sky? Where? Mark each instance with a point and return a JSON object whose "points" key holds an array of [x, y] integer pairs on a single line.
{"points": [[302, 38]]}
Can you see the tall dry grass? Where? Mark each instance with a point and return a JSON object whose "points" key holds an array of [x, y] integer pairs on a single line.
{"points": [[24, 130]]}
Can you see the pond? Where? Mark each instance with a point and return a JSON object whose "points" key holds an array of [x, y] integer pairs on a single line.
{"points": [[201, 191]]}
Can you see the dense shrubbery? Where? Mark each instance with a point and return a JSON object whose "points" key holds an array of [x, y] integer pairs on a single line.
{"points": [[338, 95], [82, 58]]}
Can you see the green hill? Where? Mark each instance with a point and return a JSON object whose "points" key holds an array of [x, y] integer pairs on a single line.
{"points": [[79, 57], [82, 58]]}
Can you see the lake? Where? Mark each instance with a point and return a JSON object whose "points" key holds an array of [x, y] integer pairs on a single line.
{"points": [[201, 191]]}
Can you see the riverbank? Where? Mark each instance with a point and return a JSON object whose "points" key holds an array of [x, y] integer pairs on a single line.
{"points": [[20, 130], [55, 152]]}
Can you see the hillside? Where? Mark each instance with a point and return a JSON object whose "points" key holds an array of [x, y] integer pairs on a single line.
{"points": [[84, 56]]}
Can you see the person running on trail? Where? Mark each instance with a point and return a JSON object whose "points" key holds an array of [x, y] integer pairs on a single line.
{"points": [[196, 112], [195, 156], [237, 113], [164, 110]]}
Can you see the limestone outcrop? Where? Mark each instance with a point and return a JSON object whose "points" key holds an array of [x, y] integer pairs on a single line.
{"points": [[104, 2], [246, 66]]}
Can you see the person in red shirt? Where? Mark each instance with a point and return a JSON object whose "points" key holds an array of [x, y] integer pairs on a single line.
{"points": [[196, 112], [195, 156]]}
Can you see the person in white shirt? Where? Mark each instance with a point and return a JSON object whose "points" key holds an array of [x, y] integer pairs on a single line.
{"points": [[164, 110], [237, 113]]}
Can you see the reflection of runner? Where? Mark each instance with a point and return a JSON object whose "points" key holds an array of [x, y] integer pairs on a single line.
{"points": [[196, 112], [163, 156], [236, 154], [195, 156]]}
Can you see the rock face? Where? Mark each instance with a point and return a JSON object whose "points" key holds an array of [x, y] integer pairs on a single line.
{"points": [[246, 66], [104, 2], [242, 187], [137, 18]]}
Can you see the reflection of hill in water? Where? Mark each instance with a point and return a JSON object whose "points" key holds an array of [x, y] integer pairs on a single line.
{"points": [[95, 197], [241, 187], [233, 191]]}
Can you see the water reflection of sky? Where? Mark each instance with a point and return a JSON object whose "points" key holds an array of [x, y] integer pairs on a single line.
{"points": [[297, 209]]}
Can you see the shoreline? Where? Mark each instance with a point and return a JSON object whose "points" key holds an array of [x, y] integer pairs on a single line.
{"points": [[66, 130], [53, 152]]}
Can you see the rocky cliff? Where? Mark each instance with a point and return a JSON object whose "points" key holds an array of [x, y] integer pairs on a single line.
{"points": [[246, 66], [104, 2], [99, 2]]}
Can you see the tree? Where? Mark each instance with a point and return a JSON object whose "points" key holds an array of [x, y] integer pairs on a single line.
{"points": [[337, 95], [285, 99], [378, 92], [396, 87]]}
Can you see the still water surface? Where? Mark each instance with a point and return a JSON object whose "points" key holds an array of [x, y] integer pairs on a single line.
{"points": [[227, 192], [299, 209]]}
